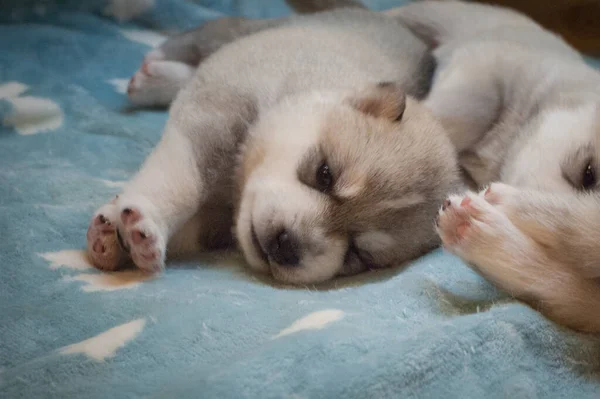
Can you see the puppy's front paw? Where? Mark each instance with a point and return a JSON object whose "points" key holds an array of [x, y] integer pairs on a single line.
{"points": [[102, 243], [454, 220], [471, 227], [141, 236]]}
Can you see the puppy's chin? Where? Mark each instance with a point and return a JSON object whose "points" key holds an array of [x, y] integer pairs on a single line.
{"points": [[310, 272]]}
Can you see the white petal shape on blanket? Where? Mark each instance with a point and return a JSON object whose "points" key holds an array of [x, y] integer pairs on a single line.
{"points": [[110, 281], [72, 258], [111, 183], [120, 85], [32, 115], [313, 321], [124, 10], [147, 37], [12, 89], [106, 344]]}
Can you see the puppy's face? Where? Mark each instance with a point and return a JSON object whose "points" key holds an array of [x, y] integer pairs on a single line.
{"points": [[335, 184], [562, 153]]}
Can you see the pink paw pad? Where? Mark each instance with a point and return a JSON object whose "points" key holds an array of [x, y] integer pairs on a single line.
{"points": [[138, 237], [98, 247], [103, 248], [130, 216]]}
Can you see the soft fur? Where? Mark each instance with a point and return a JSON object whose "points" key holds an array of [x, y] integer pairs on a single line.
{"points": [[521, 107], [307, 137]]}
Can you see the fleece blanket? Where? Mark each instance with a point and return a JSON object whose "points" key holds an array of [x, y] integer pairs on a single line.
{"points": [[207, 328]]}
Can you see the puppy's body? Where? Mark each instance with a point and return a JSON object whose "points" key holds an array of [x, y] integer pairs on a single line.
{"points": [[292, 133], [502, 88]]}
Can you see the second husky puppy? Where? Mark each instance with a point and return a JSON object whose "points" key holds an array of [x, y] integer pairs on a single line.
{"points": [[523, 108]]}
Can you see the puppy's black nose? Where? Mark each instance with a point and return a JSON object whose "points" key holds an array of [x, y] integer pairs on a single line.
{"points": [[283, 250]]}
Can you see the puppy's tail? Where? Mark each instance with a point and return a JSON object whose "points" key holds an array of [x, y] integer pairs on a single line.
{"points": [[438, 21], [313, 6]]}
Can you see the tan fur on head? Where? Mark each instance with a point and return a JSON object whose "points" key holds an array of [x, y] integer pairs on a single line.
{"points": [[384, 100]]}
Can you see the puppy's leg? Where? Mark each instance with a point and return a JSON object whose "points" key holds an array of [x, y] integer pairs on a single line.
{"points": [[566, 225], [166, 69], [190, 167], [484, 236]]}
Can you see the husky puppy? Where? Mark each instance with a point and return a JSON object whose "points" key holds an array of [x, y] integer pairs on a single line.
{"points": [[521, 107], [307, 137]]}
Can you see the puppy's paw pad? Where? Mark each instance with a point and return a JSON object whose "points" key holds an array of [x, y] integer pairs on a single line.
{"points": [[103, 248], [147, 248], [143, 238], [459, 216], [130, 216]]}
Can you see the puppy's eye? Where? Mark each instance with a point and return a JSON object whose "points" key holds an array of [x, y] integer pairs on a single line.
{"points": [[323, 178], [588, 180]]}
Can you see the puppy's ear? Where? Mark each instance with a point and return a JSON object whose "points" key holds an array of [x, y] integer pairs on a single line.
{"points": [[384, 100]]}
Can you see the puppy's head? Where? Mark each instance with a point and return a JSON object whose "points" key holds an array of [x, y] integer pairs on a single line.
{"points": [[561, 151], [338, 183]]}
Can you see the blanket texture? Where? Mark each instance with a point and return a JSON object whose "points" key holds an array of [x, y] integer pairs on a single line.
{"points": [[207, 328]]}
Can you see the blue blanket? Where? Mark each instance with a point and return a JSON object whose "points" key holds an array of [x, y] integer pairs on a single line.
{"points": [[207, 328]]}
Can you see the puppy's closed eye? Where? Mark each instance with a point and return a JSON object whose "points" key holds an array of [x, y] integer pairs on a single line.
{"points": [[315, 172], [580, 169], [588, 178], [323, 178]]}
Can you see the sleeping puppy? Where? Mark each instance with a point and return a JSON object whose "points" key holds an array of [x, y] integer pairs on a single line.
{"points": [[522, 108], [306, 139]]}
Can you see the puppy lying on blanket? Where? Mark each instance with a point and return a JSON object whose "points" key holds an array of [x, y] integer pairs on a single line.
{"points": [[308, 137], [521, 107]]}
